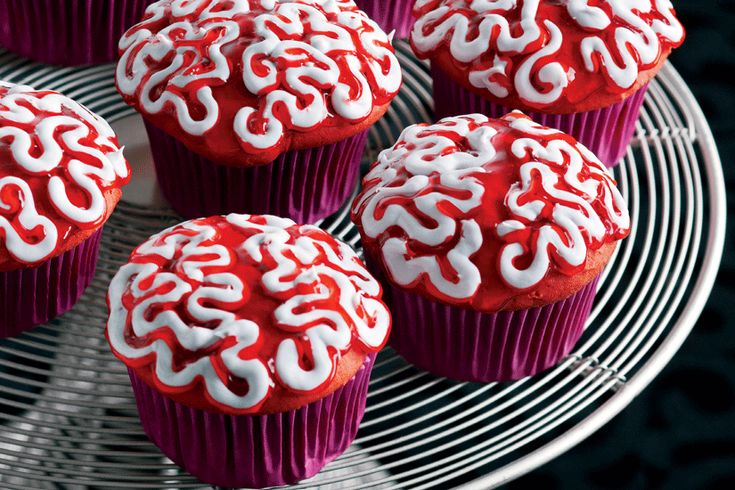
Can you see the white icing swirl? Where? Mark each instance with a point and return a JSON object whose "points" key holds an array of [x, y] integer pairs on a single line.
{"points": [[528, 54], [636, 42], [308, 61], [574, 223], [48, 138], [310, 269], [424, 166], [423, 203]]}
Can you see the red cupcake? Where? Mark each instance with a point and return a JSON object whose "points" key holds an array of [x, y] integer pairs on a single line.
{"points": [[61, 170], [259, 106], [393, 16], [580, 68], [491, 234], [249, 341]]}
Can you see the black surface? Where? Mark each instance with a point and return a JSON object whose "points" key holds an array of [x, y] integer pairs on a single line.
{"points": [[680, 433]]}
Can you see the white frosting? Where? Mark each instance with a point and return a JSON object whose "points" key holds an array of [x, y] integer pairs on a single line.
{"points": [[62, 129], [637, 35], [322, 59], [421, 161], [431, 166], [542, 76], [575, 223], [312, 259]]}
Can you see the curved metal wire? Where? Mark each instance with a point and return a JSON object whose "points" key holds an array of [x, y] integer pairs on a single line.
{"points": [[67, 416]]}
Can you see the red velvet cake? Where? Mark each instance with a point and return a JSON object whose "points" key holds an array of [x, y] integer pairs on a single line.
{"points": [[491, 234], [258, 106], [61, 173], [241, 332], [579, 66]]}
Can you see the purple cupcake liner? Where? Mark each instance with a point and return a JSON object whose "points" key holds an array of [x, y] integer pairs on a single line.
{"points": [[606, 132], [32, 296], [67, 32], [304, 185], [391, 15], [467, 345], [254, 450]]}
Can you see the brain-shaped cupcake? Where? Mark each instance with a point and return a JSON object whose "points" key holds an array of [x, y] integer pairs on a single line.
{"points": [[245, 314], [556, 56], [492, 214], [246, 80], [61, 170]]}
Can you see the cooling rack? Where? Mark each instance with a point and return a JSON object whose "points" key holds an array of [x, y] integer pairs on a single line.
{"points": [[68, 419]]}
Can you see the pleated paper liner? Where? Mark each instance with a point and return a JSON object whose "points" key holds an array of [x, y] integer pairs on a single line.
{"points": [[391, 15], [254, 451], [606, 132], [304, 185], [467, 345], [67, 32], [33, 296]]}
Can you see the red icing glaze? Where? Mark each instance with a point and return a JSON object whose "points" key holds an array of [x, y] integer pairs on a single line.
{"points": [[60, 151], [586, 88], [497, 177], [258, 303], [320, 77]]}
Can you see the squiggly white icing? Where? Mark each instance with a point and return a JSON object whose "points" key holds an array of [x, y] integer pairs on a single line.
{"points": [[540, 73], [405, 207], [423, 160], [575, 223], [310, 267], [309, 61], [637, 36], [47, 135]]}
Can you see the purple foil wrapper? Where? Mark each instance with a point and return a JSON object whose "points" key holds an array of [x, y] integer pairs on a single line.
{"points": [[254, 451], [304, 185], [467, 345], [32, 296], [390, 15], [606, 132], [67, 32]]}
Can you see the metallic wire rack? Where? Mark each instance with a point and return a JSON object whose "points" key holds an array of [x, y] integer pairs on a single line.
{"points": [[68, 419]]}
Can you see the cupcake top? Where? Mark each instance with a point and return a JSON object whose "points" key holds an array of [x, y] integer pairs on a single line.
{"points": [[490, 214], [245, 314], [241, 81], [61, 170], [552, 56]]}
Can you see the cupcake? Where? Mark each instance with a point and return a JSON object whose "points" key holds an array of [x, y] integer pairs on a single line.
{"points": [[61, 170], [579, 68], [258, 107], [491, 235], [392, 15], [67, 32], [249, 341]]}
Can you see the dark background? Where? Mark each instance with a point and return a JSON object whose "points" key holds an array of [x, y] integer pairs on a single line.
{"points": [[680, 433]]}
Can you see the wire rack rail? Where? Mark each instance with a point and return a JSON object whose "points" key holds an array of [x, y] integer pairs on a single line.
{"points": [[68, 419]]}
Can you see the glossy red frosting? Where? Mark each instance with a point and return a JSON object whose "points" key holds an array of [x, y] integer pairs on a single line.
{"points": [[579, 56], [61, 171], [241, 81], [437, 213], [278, 283]]}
